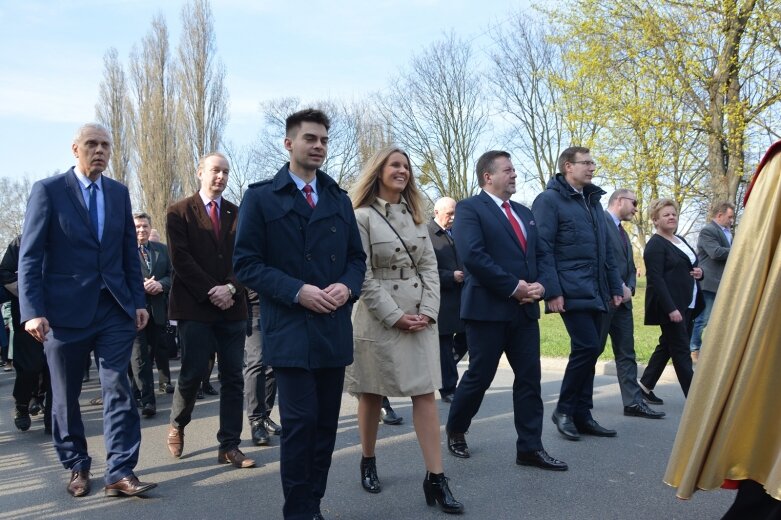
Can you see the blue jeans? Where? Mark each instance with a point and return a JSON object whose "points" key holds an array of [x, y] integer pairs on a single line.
{"points": [[701, 321]]}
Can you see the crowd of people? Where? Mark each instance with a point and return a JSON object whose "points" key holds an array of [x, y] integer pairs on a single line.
{"points": [[306, 291]]}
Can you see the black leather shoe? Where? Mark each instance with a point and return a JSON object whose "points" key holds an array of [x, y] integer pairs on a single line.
{"points": [[210, 390], [387, 415], [592, 427], [22, 420], [166, 388], [642, 410], [271, 427], [149, 410], [565, 426], [540, 459], [447, 397], [259, 434], [369, 479], [199, 394], [650, 397], [456, 444], [437, 491], [79, 483], [35, 406]]}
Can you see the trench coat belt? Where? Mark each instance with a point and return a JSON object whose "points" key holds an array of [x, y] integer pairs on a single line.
{"points": [[399, 273]]}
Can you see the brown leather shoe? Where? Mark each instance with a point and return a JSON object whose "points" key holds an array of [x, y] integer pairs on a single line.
{"points": [[175, 441], [79, 484], [128, 487], [235, 457]]}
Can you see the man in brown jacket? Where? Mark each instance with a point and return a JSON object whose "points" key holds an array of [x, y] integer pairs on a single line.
{"points": [[209, 305]]}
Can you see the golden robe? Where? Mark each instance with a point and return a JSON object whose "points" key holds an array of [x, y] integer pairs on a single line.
{"points": [[731, 424]]}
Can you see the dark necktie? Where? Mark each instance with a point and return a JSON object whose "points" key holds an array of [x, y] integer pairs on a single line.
{"points": [[93, 208], [624, 237], [145, 258], [215, 218], [308, 193], [516, 226]]}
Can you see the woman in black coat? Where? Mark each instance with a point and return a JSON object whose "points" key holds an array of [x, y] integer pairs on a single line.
{"points": [[673, 297]]}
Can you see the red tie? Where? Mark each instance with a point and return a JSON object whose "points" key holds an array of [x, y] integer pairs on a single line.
{"points": [[308, 193], [516, 226], [215, 218]]}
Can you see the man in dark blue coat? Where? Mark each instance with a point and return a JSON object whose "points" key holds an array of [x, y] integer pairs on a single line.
{"points": [[298, 246], [583, 284], [497, 241], [79, 245]]}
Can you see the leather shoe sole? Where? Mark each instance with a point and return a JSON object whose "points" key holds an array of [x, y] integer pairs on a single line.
{"points": [[565, 426], [592, 427], [235, 457], [540, 459], [128, 487]]}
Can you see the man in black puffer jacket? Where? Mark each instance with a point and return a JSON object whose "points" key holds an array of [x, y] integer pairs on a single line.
{"points": [[581, 281]]}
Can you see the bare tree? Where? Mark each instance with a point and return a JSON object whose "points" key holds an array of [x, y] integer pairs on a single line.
{"points": [[201, 81], [436, 112], [14, 194], [155, 123], [113, 111]]}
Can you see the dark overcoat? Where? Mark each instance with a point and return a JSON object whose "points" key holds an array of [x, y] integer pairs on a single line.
{"points": [[449, 320]]}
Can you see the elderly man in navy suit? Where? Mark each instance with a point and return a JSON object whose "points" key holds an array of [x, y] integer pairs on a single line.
{"points": [[497, 241], [298, 246], [79, 245]]}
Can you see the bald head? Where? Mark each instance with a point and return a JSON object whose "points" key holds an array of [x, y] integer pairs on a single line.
{"points": [[444, 211]]}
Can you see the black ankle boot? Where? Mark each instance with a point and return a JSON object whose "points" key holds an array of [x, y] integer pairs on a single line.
{"points": [[436, 490], [22, 418], [369, 479], [387, 414]]}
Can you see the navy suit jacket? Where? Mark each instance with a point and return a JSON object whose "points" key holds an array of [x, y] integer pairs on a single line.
{"points": [[63, 265], [281, 244], [494, 260]]}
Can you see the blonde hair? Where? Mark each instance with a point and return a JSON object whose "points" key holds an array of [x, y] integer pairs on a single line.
{"points": [[367, 188], [656, 206]]}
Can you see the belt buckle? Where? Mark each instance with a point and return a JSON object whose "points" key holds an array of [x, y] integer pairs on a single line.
{"points": [[401, 274]]}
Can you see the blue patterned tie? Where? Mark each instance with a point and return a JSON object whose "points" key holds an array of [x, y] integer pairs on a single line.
{"points": [[93, 208]]}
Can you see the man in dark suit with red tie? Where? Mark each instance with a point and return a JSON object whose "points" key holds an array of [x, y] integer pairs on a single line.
{"points": [[497, 242], [210, 307], [80, 289], [156, 272]]}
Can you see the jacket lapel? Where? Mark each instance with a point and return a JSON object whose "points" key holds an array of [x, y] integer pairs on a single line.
{"points": [[73, 189], [199, 209], [501, 217]]}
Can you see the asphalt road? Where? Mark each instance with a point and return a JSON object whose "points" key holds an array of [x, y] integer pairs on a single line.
{"points": [[618, 478]]}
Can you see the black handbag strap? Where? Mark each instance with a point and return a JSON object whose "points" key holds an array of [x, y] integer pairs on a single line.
{"points": [[402, 243]]}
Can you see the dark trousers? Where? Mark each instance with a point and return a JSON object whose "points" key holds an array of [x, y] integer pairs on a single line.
{"points": [[111, 335], [32, 371], [577, 385], [309, 402], [519, 339], [452, 347], [753, 502], [673, 344], [141, 362], [620, 325], [198, 341], [260, 382]]}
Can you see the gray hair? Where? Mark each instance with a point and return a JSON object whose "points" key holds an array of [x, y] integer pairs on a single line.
{"points": [[90, 126]]}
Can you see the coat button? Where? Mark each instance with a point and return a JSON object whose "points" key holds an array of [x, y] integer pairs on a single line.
{"points": [[333, 258], [404, 211], [333, 229], [308, 257], [415, 284], [417, 305], [219, 256], [395, 287], [398, 249], [393, 267], [414, 248]]}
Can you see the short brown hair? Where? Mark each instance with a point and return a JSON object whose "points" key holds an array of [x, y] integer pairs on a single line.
{"points": [[568, 155], [307, 115], [656, 206], [141, 215], [721, 207], [486, 164]]}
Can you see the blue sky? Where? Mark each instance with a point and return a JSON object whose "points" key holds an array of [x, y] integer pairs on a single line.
{"points": [[51, 57]]}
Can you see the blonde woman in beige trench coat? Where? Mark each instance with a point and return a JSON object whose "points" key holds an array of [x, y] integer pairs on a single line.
{"points": [[396, 342]]}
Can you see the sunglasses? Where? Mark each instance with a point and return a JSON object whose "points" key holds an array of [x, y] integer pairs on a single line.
{"points": [[634, 201]]}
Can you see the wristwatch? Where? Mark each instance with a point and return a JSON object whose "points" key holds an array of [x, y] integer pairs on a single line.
{"points": [[231, 288]]}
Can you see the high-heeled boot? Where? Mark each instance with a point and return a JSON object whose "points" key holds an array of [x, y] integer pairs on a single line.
{"points": [[437, 491], [369, 479]]}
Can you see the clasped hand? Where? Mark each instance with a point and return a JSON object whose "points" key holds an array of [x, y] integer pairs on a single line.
{"points": [[529, 292], [323, 300], [221, 297], [412, 322]]}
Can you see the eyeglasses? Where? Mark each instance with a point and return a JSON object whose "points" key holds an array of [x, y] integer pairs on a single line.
{"points": [[587, 163], [634, 201]]}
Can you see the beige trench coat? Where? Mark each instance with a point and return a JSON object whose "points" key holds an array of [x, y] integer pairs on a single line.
{"points": [[389, 361]]}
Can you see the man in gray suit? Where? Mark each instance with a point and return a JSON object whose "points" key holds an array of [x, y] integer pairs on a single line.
{"points": [[712, 251], [618, 321]]}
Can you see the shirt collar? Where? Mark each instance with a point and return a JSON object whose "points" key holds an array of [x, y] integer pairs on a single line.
{"points": [[206, 200], [86, 181], [300, 183], [616, 220], [496, 199]]}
